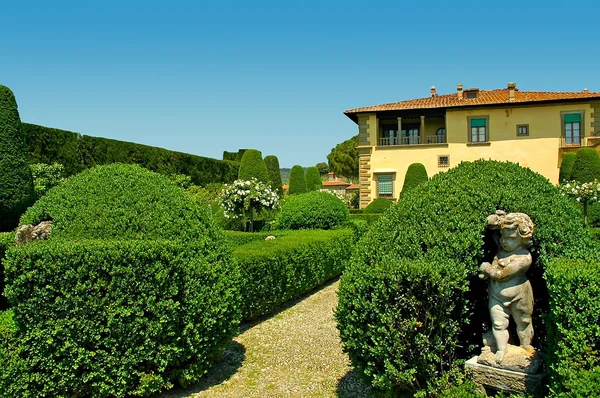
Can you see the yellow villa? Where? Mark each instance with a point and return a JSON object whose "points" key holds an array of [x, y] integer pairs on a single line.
{"points": [[531, 128]]}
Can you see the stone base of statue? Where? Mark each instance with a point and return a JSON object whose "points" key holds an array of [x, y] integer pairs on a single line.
{"points": [[520, 371]]}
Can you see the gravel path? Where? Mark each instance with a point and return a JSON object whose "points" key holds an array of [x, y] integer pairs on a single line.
{"points": [[294, 353]]}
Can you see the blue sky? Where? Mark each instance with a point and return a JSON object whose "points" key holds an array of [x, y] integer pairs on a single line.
{"points": [[202, 77]]}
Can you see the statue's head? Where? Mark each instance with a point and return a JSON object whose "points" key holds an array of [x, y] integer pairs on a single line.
{"points": [[516, 230]]}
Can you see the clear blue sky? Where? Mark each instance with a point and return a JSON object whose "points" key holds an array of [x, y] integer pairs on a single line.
{"points": [[206, 76]]}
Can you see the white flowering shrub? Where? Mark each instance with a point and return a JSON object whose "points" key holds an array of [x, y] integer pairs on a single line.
{"points": [[247, 198], [583, 192]]}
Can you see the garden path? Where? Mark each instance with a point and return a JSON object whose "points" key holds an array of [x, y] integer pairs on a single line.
{"points": [[295, 353]]}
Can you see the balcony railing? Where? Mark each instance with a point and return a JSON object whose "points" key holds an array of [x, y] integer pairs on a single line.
{"points": [[418, 140]]}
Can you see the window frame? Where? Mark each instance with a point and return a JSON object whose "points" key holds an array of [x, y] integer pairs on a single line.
{"points": [[443, 164], [563, 126], [392, 177], [526, 126], [486, 131]]}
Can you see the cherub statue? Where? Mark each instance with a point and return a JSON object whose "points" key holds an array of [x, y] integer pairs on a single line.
{"points": [[509, 289]]}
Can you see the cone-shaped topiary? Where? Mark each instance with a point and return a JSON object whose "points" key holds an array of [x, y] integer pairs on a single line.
{"points": [[566, 167], [313, 179], [253, 165], [16, 182], [586, 167], [415, 174], [272, 164], [297, 181]]}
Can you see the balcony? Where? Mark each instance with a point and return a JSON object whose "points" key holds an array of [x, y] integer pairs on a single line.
{"points": [[416, 140]]}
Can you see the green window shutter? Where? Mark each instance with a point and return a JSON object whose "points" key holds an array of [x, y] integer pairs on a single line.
{"points": [[478, 122], [384, 185], [573, 118]]}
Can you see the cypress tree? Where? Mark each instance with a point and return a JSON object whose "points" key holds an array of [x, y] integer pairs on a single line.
{"points": [[16, 182], [274, 173], [586, 167], [297, 181], [566, 167], [415, 174], [313, 179], [253, 165]]}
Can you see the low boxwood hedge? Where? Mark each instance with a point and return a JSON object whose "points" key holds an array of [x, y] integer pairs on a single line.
{"points": [[7, 239], [379, 205], [118, 317], [573, 352], [275, 271], [312, 210], [239, 238]]}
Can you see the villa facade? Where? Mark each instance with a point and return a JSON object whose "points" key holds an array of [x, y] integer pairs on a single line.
{"points": [[533, 129]]}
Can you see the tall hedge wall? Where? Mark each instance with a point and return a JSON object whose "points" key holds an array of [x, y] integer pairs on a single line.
{"points": [[79, 152]]}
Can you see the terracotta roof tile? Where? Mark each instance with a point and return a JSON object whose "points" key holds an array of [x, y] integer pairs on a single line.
{"points": [[335, 184], [484, 97], [353, 186]]}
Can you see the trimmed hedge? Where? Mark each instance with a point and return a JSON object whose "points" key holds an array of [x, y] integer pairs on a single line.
{"points": [[116, 317], [313, 179], [566, 167], [312, 210], [79, 152], [16, 182], [239, 238], [275, 271], [7, 239], [253, 166], [274, 171], [379, 205], [369, 218], [573, 352], [297, 181], [416, 174], [444, 218], [586, 166]]}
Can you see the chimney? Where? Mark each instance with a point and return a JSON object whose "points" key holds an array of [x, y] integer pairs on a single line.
{"points": [[585, 90], [433, 92], [512, 86], [331, 176], [460, 91]]}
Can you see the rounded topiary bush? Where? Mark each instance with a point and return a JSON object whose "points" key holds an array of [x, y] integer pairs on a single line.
{"points": [[313, 179], [566, 167], [16, 183], [297, 181], [274, 171], [312, 210], [253, 166], [586, 167], [134, 290], [394, 318], [415, 174], [379, 205]]}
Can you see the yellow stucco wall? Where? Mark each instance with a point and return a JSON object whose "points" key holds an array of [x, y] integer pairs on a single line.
{"points": [[540, 151]]}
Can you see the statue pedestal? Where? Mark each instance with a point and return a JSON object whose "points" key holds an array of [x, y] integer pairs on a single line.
{"points": [[491, 379]]}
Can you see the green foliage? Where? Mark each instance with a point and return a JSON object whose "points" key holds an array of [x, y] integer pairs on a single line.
{"points": [[566, 167], [313, 179], [573, 353], [181, 180], [444, 218], [379, 205], [120, 201], [46, 176], [416, 174], [275, 271], [253, 166], [586, 167], [323, 168], [239, 238], [116, 317], [80, 152], [594, 215], [274, 172], [16, 183], [312, 210], [297, 181], [7, 239], [343, 159]]}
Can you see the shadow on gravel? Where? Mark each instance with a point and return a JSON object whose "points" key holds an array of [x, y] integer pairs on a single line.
{"points": [[221, 371], [353, 386]]}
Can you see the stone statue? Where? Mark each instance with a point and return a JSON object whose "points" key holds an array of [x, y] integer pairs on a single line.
{"points": [[509, 289]]}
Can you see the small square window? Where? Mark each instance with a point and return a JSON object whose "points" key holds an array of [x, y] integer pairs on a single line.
{"points": [[471, 94], [385, 186], [443, 160], [522, 129]]}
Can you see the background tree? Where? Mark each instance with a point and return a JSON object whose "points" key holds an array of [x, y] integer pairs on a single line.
{"points": [[416, 174], [313, 179], [253, 166], [343, 159], [297, 181], [274, 174], [586, 167], [566, 167], [323, 168], [16, 182]]}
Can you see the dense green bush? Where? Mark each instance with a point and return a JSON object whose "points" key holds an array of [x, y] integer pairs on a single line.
{"points": [[7, 239], [116, 317], [416, 174], [46, 176], [274, 171], [297, 181], [313, 179], [586, 166], [79, 152], [120, 201], [566, 167], [239, 238], [16, 183], [573, 352], [312, 210], [379, 205], [445, 218], [275, 271], [369, 218], [253, 166]]}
